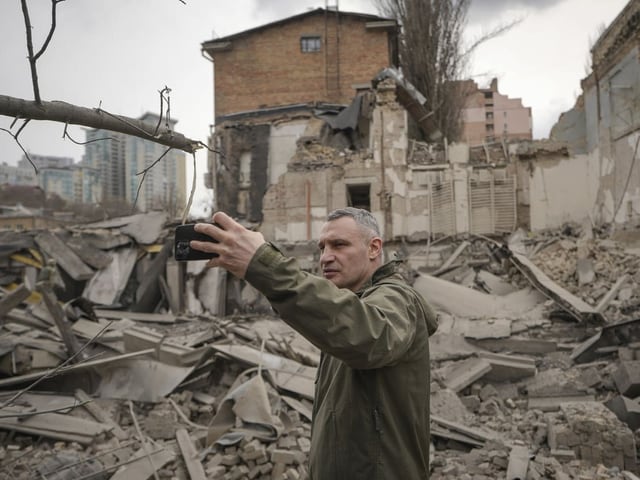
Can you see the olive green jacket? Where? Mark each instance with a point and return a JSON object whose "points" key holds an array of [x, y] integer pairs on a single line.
{"points": [[371, 408]]}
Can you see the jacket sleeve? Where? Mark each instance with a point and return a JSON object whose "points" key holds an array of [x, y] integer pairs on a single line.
{"points": [[371, 331]]}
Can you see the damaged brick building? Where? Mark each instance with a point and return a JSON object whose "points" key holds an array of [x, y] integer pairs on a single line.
{"points": [[288, 152], [290, 148]]}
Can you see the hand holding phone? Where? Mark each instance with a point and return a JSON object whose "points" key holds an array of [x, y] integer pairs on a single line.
{"points": [[182, 248]]}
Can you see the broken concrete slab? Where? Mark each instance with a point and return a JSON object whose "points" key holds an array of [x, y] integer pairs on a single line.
{"points": [[167, 350], [483, 435], [139, 379], [553, 403], [614, 335], [88, 253], [527, 346], [627, 378], [575, 306], [626, 409], [448, 346], [106, 286], [51, 425], [64, 256], [481, 328], [466, 302], [288, 374], [460, 375], [505, 368], [494, 284], [144, 228]]}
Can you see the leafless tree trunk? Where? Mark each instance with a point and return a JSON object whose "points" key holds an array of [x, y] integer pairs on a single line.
{"points": [[433, 57]]}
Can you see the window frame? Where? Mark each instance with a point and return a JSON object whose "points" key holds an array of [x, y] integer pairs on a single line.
{"points": [[310, 43]]}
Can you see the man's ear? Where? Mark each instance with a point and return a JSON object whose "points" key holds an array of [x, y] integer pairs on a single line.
{"points": [[375, 248]]}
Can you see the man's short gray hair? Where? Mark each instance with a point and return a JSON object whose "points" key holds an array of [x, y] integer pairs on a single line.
{"points": [[362, 217]]}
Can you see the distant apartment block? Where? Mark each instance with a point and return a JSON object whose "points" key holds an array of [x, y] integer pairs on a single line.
{"points": [[55, 175], [45, 161], [490, 116], [17, 175], [118, 162]]}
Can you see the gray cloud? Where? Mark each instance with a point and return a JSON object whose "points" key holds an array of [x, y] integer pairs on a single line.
{"points": [[480, 11], [276, 9], [484, 10]]}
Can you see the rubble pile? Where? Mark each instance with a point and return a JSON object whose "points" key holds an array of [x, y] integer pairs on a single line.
{"points": [[138, 377], [591, 268]]}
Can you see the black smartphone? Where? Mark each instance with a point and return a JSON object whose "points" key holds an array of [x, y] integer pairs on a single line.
{"points": [[183, 251]]}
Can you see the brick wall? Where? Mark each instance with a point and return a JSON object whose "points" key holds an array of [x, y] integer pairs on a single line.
{"points": [[266, 67]]}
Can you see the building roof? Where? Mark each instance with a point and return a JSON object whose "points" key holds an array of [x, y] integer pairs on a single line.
{"points": [[377, 21]]}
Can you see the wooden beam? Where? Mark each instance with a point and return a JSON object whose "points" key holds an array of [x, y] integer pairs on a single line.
{"points": [[64, 326], [194, 466], [99, 414], [12, 299]]}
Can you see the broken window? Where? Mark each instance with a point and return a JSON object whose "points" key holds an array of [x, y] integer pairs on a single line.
{"points": [[310, 44], [244, 178], [358, 196]]}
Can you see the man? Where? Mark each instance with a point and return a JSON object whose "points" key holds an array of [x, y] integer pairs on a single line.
{"points": [[371, 406]]}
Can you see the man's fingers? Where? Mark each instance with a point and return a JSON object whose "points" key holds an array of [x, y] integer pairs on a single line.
{"points": [[210, 247], [209, 229], [224, 220]]}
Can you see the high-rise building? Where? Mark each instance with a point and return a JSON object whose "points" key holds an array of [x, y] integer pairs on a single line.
{"points": [[120, 162], [104, 152], [489, 115]]}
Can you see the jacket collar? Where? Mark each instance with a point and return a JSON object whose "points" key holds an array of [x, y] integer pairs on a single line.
{"points": [[383, 271]]}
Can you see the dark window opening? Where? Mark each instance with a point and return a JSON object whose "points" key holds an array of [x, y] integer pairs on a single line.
{"points": [[359, 196], [310, 44]]}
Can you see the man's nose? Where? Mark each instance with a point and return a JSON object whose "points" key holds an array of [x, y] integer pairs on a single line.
{"points": [[326, 257]]}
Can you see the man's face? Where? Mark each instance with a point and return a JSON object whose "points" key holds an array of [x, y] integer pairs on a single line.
{"points": [[348, 258]]}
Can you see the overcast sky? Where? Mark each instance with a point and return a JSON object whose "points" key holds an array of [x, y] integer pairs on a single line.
{"points": [[119, 54]]}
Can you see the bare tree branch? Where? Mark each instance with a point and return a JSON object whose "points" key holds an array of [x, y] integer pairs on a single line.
{"points": [[15, 137], [66, 134], [54, 4], [496, 32], [94, 118], [31, 56]]}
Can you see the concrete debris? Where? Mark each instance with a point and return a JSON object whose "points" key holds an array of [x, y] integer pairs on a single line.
{"points": [[118, 362]]}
